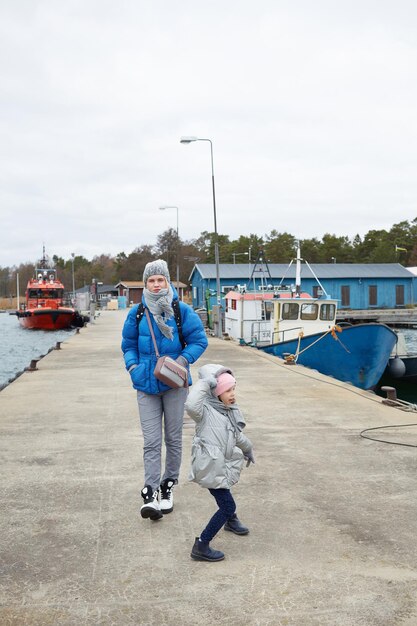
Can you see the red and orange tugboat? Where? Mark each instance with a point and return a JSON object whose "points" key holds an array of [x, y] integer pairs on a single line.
{"points": [[44, 302]]}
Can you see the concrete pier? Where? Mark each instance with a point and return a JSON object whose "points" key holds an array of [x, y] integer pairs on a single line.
{"points": [[332, 516]]}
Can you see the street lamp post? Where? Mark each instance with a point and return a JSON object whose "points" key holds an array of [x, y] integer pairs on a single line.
{"points": [[235, 254], [162, 208], [73, 277], [187, 140]]}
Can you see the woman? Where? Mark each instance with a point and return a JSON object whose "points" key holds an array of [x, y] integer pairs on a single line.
{"points": [[157, 402]]}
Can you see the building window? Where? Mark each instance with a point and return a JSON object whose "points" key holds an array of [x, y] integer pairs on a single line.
{"points": [[345, 295], [373, 295], [290, 311], [309, 311], [317, 291], [227, 288], [399, 295], [327, 312], [233, 305]]}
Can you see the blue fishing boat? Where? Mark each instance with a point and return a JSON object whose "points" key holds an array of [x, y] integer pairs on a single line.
{"points": [[354, 354], [302, 329]]}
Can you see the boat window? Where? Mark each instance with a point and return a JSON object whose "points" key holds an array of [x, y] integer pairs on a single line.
{"points": [[50, 293], [45, 294], [309, 311], [290, 311], [269, 307], [327, 312]]}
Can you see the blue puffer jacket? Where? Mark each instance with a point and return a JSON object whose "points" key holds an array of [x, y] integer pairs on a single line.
{"points": [[138, 348]]}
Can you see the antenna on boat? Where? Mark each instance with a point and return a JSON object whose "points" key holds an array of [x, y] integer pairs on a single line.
{"points": [[43, 262], [298, 261]]}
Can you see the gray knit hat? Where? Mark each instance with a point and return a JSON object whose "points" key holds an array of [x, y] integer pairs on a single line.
{"points": [[156, 267]]}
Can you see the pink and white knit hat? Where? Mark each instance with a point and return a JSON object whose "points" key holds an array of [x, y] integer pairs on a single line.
{"points": [[224, 382]]}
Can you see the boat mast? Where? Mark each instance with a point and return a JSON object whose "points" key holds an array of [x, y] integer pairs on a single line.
{"points": [[17, 290], [298, 271], [298, 261]]}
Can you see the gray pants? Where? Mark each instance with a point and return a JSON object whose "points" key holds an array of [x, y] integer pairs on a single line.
{"points": [[167, 407]]}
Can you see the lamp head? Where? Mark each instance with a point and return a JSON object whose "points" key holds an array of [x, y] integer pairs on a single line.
{"points": [[188, 139]]}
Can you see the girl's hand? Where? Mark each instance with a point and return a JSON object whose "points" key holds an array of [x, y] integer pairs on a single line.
{"points": [[249, 458]]}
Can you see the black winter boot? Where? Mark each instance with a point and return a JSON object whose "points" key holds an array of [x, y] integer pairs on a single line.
{"points": [[235, 526], [202, 552]]}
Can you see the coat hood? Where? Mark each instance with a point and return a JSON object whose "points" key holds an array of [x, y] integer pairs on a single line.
{"points": [[213, 369]]}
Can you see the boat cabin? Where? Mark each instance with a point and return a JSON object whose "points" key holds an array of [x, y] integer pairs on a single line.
{"points": [[263, 318], [45, 290]]}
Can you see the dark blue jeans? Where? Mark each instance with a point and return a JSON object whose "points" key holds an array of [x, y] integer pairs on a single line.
{"points": [[227, 507]]}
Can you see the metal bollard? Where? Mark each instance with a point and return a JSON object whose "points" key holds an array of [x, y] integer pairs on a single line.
{"points": [[58, 345], [32, 367], [391, 398]]}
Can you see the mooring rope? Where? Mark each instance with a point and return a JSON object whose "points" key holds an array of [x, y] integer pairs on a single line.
{"points": [[293, 358]]}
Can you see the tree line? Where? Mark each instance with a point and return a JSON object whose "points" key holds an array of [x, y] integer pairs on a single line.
{"points": [[398, 245]]}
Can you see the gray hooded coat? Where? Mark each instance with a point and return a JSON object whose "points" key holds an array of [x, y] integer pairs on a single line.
{"points": [[219, 446]]}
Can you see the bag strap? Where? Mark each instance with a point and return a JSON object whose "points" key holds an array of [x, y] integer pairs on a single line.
{"points": [[152, 333]]}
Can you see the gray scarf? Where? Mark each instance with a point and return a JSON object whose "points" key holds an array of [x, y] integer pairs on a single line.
{"points": [[159, 305], [231, 411]]}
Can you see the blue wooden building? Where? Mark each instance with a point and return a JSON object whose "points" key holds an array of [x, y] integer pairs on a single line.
{"points": [[355, 285]]}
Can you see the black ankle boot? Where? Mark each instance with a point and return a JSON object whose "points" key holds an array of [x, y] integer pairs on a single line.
{"points": [[202, 552], [235, 526]]}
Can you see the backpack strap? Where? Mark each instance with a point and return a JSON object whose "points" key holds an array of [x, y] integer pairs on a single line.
{"points": [[139, 314], [177, 316], [178, 321]]}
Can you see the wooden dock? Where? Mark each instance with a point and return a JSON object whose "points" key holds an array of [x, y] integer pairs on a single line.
{"points": [[398, 318]]}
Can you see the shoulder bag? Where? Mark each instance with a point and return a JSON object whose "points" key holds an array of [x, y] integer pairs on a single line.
{"points": [[167, 370]]}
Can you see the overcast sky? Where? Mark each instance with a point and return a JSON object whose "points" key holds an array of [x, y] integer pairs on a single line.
{"points": [[311, 108]]}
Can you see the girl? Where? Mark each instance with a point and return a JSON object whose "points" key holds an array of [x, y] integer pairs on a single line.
{"points": [[218, 452]]}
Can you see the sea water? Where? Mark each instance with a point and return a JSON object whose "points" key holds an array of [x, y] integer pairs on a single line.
{"points": [[18, 346], [405, 390]]}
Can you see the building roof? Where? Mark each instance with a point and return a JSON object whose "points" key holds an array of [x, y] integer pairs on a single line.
{"points": [[131, 284], [139, 284], [266, 295], [100, 289], [240, 271]]}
